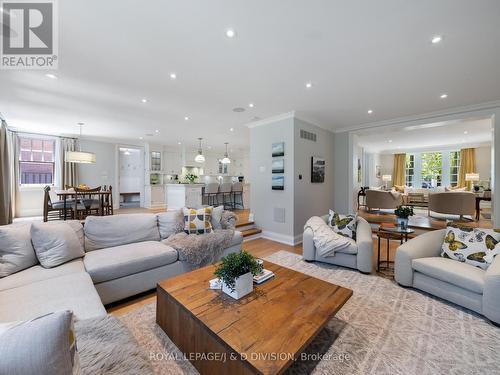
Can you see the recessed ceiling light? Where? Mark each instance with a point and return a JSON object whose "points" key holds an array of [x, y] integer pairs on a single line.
{"points": [[390, 141], [50, 75], [444, 96], [209, 147], [230, 33], [186, 118], [179, 143], [436, 39], [466, 132], [173, 76], [157, 131], [231, 129], [370, 111], [309, 85], [144, 100], [251, 105], [141, 138]]}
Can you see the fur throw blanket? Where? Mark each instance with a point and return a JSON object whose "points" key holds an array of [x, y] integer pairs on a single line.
{"points": [[202, 249]]}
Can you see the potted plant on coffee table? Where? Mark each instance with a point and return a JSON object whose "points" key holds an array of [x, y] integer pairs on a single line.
{"points": [[236, 272], [403, 213]]}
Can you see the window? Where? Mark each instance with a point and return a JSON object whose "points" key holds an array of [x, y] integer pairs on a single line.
{"points": [[432, 169], [454, 166], [222, 168], [36, 161], [410, 170]]}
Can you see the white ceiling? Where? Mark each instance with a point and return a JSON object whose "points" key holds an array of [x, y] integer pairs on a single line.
{"points": [[428, 137], [357, 54]]}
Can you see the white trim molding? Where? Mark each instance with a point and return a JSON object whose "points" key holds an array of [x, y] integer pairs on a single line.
{"points": [[282, 238], [269, 120]]}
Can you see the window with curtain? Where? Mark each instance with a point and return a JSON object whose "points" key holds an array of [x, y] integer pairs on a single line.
{"points": [[410, 170], [36, 161], [432, 169], [454, 167]]}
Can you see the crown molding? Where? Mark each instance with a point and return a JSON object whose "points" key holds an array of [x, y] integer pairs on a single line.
{"points": [[269, 120], [430, 116]]}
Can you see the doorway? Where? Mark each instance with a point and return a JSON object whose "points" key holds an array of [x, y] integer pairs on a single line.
{"points": [[131, 177]]}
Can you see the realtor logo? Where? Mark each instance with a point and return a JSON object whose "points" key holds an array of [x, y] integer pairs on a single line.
{"points": [[29, 34]]}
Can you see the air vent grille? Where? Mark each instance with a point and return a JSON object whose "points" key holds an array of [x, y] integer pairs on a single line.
{"points": [[304, 134]]}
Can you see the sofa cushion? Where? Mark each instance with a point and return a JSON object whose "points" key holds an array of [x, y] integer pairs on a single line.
{"points": [[169, 223], [351, 249], [197, 221], [74, 292], [38, 273], [217, 217], [120, 261], [16, 250], [237, 238], [109, 231], [344, 225], [460, 274], [44, 346], [57, 243], [474, 246]]}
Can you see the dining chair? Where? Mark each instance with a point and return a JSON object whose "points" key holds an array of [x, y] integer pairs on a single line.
{"points": [[54, 210], [107, 200], [237, 190], [211, 192], [225, 192], [87, 202]]}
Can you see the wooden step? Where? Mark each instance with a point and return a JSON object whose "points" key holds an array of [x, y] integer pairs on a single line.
{"points": [[244, 223], [250, 232]]}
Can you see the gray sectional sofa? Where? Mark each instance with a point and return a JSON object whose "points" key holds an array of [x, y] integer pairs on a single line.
{"points": [[419, 265], [124, 255]]}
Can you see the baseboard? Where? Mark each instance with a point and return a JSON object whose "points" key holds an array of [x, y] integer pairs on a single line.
{"points": [[282, 238]]}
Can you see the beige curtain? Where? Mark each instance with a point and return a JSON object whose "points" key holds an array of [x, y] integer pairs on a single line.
{"points": [[467, 165], [68, 171], [399, 172], [5, 177]]}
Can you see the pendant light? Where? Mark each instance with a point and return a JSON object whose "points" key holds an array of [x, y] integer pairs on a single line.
{"points": [[199, 158], [226, 159], [80, 156]]}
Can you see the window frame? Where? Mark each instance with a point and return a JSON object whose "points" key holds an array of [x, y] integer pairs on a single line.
{"points": [[410, 159], [20, 162], [453, 181]]}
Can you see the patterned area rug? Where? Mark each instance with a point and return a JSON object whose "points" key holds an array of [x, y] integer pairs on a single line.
{"points": [[382, 329]]}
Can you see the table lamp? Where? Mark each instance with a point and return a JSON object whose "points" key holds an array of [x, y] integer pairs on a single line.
{"points": [[386, 178], [472, 177]]}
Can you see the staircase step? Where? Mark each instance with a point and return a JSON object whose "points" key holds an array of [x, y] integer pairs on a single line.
{"points": [[240, 224], [250, 232]]}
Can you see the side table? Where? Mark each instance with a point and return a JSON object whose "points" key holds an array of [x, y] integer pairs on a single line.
{"points": [[390, 233]]}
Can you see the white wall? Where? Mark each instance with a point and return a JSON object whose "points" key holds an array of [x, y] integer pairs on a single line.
{"points": [[483, 163], [342, 162], [103, 171], [265, 200], [311, 199]]}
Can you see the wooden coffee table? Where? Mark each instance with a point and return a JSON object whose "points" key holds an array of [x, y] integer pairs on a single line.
{"points": [[261, 333]]}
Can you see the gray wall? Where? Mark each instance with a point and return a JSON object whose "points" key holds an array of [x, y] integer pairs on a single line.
{"points": [[103, 171], [311, 199], [342, 184], [264, 200]]}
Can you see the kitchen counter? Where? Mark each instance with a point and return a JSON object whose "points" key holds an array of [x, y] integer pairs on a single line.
{"points": [[178, 196]]}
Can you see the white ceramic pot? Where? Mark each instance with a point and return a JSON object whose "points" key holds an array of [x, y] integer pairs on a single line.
{"points": [[243, 286]]}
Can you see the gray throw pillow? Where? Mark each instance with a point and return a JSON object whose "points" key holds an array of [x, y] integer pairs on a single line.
{"points": [[57, 243], [169, 222], [16, 251], [42, 346], [217, 216]]}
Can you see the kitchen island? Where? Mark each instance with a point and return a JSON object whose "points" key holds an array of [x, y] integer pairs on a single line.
{"points": [[178, 196]]}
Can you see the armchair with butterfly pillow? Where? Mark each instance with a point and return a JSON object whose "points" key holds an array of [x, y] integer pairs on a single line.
{"points": [[458, 264], [358, 255]]}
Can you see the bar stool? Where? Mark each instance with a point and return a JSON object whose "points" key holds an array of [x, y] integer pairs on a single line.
{"points": [[237, 191], [211, 192], [225, 192]]}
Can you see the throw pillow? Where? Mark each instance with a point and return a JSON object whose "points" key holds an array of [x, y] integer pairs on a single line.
{"points": [[217, 217], [42, 346], [168, 223], [57, 243], [474, 246], [197, 221], [344, 225], [16, 250]]}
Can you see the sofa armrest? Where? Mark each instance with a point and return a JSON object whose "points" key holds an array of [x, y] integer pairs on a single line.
{"points": [[308, 249], [365, 257], [423, 246], [491, 293]]}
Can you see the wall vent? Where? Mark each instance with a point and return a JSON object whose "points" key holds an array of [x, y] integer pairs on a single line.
{"points": [[304, 134]]}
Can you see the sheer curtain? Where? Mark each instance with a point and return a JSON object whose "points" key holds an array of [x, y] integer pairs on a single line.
{"points": [[5, 177], [399, 173], [66, 173], [467, 165]]}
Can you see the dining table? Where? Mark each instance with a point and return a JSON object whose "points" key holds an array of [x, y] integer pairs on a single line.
{"points": [[64, 195]]}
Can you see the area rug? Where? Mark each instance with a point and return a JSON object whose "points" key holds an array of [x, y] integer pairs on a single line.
{"points": [[382, 329]]}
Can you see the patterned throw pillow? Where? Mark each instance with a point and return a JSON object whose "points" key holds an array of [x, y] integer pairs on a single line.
{"points": [[474, 246], [344, 225], [197, 221]]}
